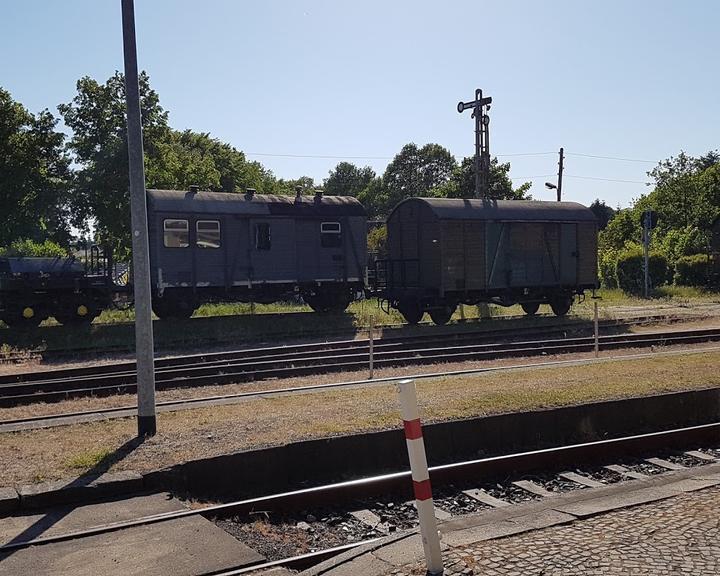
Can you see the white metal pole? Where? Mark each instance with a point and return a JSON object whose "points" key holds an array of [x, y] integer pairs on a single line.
{"points": [[420, 476], [595, 322], [370, 345], [147, 419]]}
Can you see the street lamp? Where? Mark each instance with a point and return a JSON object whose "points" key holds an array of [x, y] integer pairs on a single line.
{"points": [[550, 186]]}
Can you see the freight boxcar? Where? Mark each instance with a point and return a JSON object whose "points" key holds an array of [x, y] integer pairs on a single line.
{"points": [[207, 246], [443, 252]]}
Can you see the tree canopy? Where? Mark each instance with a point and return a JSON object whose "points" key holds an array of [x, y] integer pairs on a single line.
{"points": [[34, 171], [603, 213], [686, 196], [346, 179], [173, 159]]}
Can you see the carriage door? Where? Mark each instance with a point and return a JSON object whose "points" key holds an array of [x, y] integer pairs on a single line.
{"points": [[272, 250], [331, 256], [568, 254], [209, 252]]}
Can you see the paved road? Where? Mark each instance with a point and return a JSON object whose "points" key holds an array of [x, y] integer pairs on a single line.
{"points": [[672, 537]]}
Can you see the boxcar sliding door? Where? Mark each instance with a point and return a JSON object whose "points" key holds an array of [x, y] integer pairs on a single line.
{"points": [[568, 254]]}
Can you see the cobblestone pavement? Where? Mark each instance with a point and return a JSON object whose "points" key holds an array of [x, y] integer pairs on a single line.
{"points": [[676, 536]]}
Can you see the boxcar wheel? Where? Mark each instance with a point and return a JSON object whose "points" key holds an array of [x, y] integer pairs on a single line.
{"points": [[328, 302], [561, 305], [411, 311], [79, 315], [530, 308], [441, 316], [28, 317], [173, 309]]}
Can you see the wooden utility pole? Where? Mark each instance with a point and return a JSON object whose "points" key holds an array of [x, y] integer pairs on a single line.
{"points": [[144, 354], [560, 173]]}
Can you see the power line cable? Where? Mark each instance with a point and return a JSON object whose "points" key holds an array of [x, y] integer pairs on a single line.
{"points": [[319, 156], [607, 179], [532, 177], [610, 158]]}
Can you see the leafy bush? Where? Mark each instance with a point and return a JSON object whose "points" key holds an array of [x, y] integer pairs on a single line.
{"points": [[681, 242], [692, 270], [607, 261], [47, 249], [629, 271], [376, 239]]}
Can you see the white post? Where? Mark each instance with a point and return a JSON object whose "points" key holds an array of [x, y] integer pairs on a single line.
{"points": [[144, 354], [370, 345], [595, 321], [420, 476]]}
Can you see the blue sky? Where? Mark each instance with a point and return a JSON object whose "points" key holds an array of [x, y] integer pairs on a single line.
{"points": [[634, 80]]}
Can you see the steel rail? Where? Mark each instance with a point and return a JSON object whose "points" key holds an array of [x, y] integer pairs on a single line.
{"points": [[65, 418], [209, 357], [218, 357], [400, 482], [312, 363]]}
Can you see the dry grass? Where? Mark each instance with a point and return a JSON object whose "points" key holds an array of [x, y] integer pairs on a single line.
{"points": [[266, 421]]}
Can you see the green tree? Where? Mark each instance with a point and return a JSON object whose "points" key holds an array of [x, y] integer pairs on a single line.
{"points": [[603, 212], [346, 179], [173, 159], [687, 191], [189, 157], [99, 143], [375, 198], [622, 229], [462, 182], [33, 175], [416, 171], [306, 184]]}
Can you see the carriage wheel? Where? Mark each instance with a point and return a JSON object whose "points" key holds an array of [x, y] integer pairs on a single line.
{"points": [[442, 315], [530, 308], [561, 305], [411, 311]]}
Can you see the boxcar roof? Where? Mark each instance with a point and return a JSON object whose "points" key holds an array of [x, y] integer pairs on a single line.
{"points": [[477, 209], [184, 202]]}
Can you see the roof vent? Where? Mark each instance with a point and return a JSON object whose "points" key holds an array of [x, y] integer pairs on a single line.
{"points": [[318, 195], [194, 188], [249, 193]]}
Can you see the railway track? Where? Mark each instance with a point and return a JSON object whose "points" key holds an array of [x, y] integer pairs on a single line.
{"points": [[379, 505], [65, 418], [663, 313], [307, 359]]}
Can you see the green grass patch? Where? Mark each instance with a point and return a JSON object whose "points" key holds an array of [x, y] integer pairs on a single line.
{"points": [[88, 460]]}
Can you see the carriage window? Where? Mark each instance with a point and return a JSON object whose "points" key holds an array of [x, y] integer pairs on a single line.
{"points": [[330, 235], [176, 233], [262, 236], [208, 234]]}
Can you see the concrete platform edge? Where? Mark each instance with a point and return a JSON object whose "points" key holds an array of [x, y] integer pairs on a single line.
{"points": [[512, 520]]}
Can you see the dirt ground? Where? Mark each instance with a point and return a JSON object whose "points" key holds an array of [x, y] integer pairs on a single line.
{"points": [[69, 451], [128, 401]]}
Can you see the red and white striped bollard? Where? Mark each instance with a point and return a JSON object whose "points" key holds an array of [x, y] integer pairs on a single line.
{"points": [[420, 476]]}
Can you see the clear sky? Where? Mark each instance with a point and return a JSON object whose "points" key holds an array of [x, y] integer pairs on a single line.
{"points": [[630, 79]]}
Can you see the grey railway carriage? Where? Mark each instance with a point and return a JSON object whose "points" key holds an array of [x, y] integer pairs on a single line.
{"points": [[207, 246], [442, 252]]}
